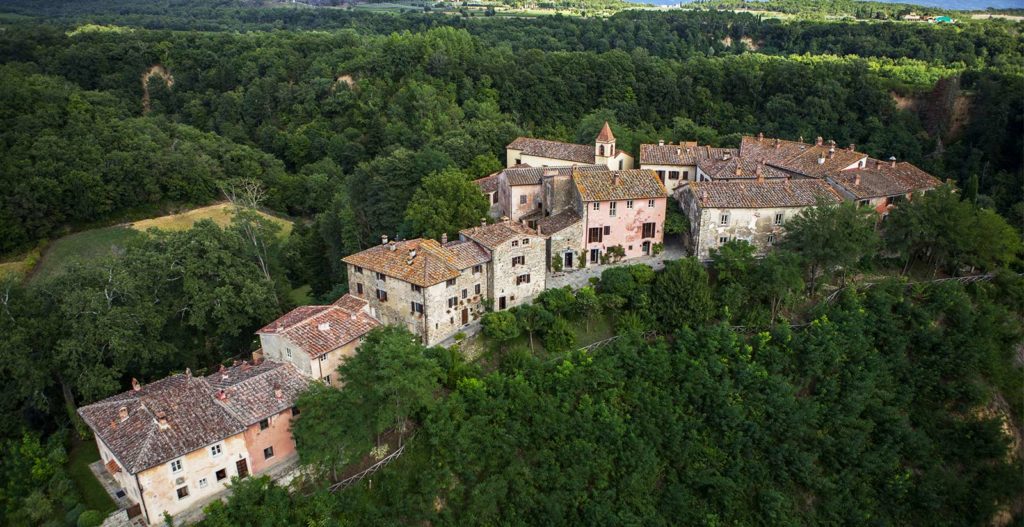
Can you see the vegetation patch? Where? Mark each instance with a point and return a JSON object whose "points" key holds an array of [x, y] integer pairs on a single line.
{"points": [[220, 214]]}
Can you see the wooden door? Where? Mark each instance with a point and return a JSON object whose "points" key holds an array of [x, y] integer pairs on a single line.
{"points": [[568, 261], [465, 317], [243, 468]]}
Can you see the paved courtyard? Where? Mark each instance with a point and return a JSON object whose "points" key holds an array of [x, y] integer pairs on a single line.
{"points": [[581, 277]]}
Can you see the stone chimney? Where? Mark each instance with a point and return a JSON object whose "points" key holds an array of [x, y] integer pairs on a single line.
{"points": [[392, 246], [853, 147], [778, 143], [892, 161], [135, 384], [739, 170], [223, 373], [161, 420], [550, 172], [616, 180], [222, 395], [325, 326], [856, 179], [444, 238], [278, 393], [759, 173], [679, 151], [483, 221], [821, 159], [122, 413], [383, 239], [818, 141], [726, 156], [661, 142], [831, 151], [760, 137], [801, 138]]}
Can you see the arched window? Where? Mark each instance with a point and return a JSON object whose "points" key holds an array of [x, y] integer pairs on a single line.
{"points": [[600, 150]]}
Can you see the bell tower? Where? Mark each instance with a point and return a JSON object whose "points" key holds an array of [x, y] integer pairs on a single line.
{"points": [[604, 147]]}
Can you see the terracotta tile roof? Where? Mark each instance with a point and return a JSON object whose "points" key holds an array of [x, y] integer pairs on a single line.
{"points": [[487, 184], [517, 176], [350, 303], [557, 222], [194, 417], [429, 264], [113, 467], [632, 184], [799, 158], [605, 136], [881, 179], [554, 149], [495, 234], [773, 193], [251, 391], [468, 254], [291, 318], [770, 149], [329, 330], [737, 167], [686, 154]]}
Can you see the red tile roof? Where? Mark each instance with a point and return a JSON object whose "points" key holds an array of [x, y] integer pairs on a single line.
{"points": [[619, 185], [687, 154], [350, 303], [487, 184], [772, 193], [495, 234], [329, 330], [881, 179], [735, 167], [554, 149], [193, 414], [811, 160], [421, 261], [557, 222], [605, 136], [292, 317]]}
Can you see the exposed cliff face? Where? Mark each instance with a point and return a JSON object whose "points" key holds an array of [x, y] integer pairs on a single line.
{"points": [[157, 70], [944, 111]]}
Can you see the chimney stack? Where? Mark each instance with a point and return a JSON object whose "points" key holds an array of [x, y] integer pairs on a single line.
{"points": [[853, 147], [325, 326], [831, 151], [801, 138], [444, 238], [777, 143], [278, 393], [383, 239], [222, 395], [821, 159], [760, 137], [161, 420], [739, 170], [223, 373], [122, 413], [892, 161], [856, 179], [759, 173], [679, 151], [483, 222], [135, 384], [661, 142], [818, 141], [615, 179]]}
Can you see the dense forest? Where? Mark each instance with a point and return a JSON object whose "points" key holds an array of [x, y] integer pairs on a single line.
{"points": [[779, 392]]}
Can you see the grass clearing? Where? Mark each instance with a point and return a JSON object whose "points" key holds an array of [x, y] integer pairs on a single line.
{"points": [[93, 495], [220, 213], [16, 268], [80, 247], [301, 295]]}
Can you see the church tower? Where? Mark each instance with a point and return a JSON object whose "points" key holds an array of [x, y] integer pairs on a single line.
{"points": [[604, 147]]}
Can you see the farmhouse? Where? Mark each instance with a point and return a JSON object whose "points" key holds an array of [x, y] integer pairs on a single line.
{"points": [[173, 445], [677, 165], [881, 185], [436, 288]]}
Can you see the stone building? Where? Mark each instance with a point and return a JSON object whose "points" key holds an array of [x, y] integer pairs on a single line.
{"points": [[677, 165], [173, 445], [436, 289], [624, 208], [544, 153], [882, 185], [755, 211], [317, 339]]}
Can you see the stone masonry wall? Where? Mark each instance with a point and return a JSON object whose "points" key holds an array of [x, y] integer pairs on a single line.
{"points": [[503, 283]]}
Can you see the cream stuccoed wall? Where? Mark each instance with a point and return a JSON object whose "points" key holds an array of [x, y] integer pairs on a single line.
{"points": [[124, 480], [687, 173], [326, 366], [752, 225], [279, 349], [159, 484]]}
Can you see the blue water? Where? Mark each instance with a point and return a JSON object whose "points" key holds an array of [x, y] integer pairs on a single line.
{"points": [[963, 5]]}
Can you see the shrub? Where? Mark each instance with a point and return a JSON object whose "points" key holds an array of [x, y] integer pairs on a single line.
{"points": [[556, 264], [90, 518]]}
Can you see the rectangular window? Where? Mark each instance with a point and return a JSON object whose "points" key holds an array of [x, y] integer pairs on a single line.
{"points": [[323, 357], [661, 175], [359, 289], [515, 243], [607, 230], [296, 411], [518, 260], [673, 174], [594, 235], [268, 452], [453, 301], [382, 295], [778, 218], [648, 230], [382, 277], [416, 308], [522, 199], [327, 380], [523, 279], [182, 492], [450, 283], [723, 239], [288, 352], [175, 466], [477, 269], [203, 483], [771, 238], [526, 241], [416, 288], [597, 205], [862, 203], [612, 207], [629, 204], [650, 203], [221, 474], [620, 164], [264, 424], [215, 450], [476, 289], [723, 219], [465, 293], [686, 175], [359, 270]]}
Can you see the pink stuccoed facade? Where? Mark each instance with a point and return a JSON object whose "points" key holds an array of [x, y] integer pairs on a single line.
{"points": [[636, 225]]}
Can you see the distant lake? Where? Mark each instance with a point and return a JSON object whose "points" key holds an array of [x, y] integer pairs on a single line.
{"points": [[963, 5]]}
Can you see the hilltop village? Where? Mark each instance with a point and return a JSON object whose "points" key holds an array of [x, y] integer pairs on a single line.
{"points": [[172, 445]]}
